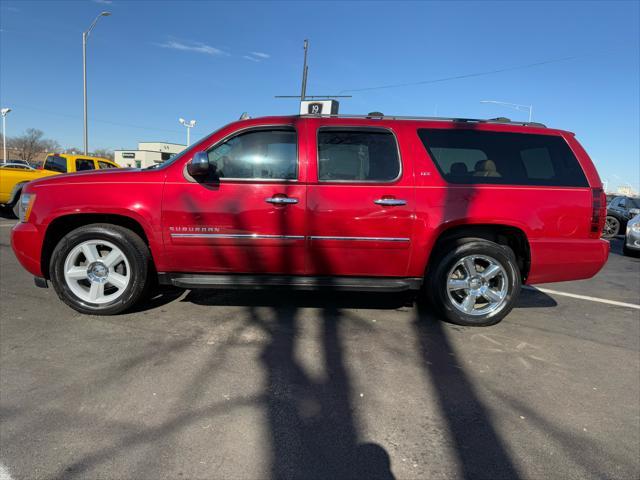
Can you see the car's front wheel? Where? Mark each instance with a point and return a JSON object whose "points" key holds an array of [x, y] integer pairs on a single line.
{"points": [[100, 269], [475, 283]]}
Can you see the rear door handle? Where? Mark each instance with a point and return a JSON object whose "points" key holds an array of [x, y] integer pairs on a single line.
{"points": [[281, 200], [390, 202]]}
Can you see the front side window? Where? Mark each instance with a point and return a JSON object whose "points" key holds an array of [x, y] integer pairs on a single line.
{"points": [[55, 163], [473, 156], [265, 154], [84, 164], [357, 155]]}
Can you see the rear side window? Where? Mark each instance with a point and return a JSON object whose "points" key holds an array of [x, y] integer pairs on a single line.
{"points": [[55, 163], [84, 164], [357, 155], [472, 156], [103, 165]]}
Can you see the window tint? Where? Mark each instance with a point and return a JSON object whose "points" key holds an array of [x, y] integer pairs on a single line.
{"points": [[633, 203], [102, 165], [358, 155], [84, 164], [472, 156], [259, 154], [55, 163]]}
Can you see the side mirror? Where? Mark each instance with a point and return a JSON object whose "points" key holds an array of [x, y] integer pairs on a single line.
{"points": [[199, 165]]}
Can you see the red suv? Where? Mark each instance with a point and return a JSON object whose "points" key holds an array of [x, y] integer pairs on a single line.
{"points": [[467, 209]]}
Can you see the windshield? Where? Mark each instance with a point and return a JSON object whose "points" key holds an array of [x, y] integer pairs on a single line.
{"points": [[633, 202]]}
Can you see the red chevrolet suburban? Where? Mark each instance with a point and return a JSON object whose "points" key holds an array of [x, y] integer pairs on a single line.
{"points": [[464, 210]]}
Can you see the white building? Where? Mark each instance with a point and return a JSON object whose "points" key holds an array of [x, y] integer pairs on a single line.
{"points": [[147, 154]]}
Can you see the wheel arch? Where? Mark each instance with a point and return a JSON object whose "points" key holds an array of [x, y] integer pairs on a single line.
{"points": [[62, 225], [15, 193], [502, 234]]}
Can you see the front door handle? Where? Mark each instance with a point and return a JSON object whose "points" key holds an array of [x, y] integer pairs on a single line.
{"points": [[281, 200], [390, 202]]}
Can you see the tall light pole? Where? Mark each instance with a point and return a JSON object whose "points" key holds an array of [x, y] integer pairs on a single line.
{"points": [[85, 37], [4, 112], [522, 108], [189, 125]]}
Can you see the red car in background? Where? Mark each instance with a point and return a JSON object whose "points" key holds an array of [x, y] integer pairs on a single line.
{"points": [[464, 210]]}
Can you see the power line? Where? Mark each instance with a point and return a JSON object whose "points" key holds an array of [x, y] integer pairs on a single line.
{"points": [[108, 122], [458, 77]]}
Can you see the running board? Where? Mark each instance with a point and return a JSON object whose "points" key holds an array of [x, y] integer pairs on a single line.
{"points": [[257, 282]]}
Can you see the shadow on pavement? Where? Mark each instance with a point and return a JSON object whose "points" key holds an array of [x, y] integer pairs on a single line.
{"points": [[478, 445]]}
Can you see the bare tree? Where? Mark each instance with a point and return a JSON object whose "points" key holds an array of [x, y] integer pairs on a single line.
{"points": [[104, 153], [31, 143]]}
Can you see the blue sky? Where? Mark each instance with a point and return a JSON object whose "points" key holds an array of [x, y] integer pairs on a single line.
{"points": [[152, 62]]}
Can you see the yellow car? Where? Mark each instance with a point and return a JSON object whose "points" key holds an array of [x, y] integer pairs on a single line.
{"points": [[14, 176]]}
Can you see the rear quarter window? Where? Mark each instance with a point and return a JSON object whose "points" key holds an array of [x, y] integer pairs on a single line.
{"points": [[102, 165], [473, 156]]}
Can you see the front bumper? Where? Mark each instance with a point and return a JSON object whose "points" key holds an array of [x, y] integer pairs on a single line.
{"points": [[632, 239], [26, 242]]}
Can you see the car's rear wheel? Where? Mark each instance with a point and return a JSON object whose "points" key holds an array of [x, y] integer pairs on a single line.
{"points": [[475, 283], [100, 269], [611, 227]]}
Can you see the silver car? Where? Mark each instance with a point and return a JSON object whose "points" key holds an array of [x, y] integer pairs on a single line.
{"points": [[632, 238]]}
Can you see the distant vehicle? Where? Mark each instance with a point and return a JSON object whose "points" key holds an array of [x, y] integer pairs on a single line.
{"points": [[16, 165], [619, 211], [631, 246], [471, 209], [13, 180]]}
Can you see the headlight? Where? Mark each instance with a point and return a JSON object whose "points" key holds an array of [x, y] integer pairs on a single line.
{"points": [[26, 203], [635, 227]]}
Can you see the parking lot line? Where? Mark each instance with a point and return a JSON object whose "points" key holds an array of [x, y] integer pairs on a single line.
{"points": [[585, 297], [8, 225]]}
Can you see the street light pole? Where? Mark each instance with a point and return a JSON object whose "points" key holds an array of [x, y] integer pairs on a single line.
{"points": [[85, 37], [4, 113], [516, 106], [189, 125]]}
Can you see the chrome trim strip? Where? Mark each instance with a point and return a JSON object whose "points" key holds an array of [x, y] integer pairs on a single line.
{"points": [[249, 236], [362, 239]]}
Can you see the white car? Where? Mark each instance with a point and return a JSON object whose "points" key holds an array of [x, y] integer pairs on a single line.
{"points": [[631, 245]]}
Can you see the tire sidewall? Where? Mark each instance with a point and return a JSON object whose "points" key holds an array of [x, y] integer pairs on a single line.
{"points": [[438, 284], [138, 264], [611, 235]]}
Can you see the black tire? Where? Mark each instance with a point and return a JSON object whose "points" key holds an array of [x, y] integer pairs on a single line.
{"points": [[446, 260], [627, 252], [611, 227], [132, 246]]}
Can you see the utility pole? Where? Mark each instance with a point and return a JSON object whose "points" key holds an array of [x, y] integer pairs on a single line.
{"points": [[303, 91], [305, 70], [4, 113]]}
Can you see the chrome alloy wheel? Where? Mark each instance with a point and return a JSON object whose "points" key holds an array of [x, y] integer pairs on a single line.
{"points": [[477, 285], [611, 227], [97, 271]]}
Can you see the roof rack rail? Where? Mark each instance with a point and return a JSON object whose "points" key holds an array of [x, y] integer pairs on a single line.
{"points": [[380, 116]]}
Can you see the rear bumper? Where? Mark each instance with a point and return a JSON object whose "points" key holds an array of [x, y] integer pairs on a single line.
{"points": [[561, 260], [26, 242]]}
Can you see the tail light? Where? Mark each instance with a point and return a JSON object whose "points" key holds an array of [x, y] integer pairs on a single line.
{"points": [[39, 167], [598, 212]]}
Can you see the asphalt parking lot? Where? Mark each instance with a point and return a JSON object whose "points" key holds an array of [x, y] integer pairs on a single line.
{"points": [[248, 385]]}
